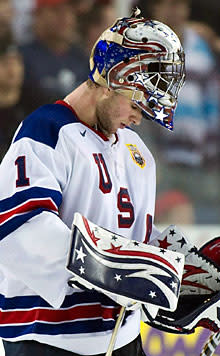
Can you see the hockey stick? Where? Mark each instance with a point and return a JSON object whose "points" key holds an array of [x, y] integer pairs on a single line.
{"points": [[115, 331], [211, 345]]}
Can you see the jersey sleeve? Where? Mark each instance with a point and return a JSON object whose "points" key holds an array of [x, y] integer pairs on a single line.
{"points": [[34, 239]]}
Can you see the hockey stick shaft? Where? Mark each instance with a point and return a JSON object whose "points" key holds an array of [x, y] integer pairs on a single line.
{"points": [[211, 345], [115, 331]]}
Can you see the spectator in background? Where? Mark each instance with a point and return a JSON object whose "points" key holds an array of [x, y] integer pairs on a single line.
{"points": [[83, 6], [6, 18], [23, 17], [11, 79], [192, 150], [54, 61], [210, 36], [207, 12], [100, 16], [174, 206], [22, 20]]}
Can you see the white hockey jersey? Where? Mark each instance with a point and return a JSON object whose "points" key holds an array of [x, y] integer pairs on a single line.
{"points": [[56, 166]]}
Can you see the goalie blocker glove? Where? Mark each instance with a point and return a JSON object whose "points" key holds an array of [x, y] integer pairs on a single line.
{"points": [[199, 302], [125, 270]]}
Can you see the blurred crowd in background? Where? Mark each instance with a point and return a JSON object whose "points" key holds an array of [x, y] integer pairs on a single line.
{"points": [[44, 54]]}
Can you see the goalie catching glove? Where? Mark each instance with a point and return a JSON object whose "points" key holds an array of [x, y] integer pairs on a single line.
{"points": [[125, 270], [199, 302]]}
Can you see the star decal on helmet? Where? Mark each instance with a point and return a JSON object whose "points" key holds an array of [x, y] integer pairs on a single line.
{"points": [[140, 78], [160, 115], [152, 100], [150, 23]]}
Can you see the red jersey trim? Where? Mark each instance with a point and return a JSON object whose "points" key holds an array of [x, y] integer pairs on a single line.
{"points": [[57, 316]]}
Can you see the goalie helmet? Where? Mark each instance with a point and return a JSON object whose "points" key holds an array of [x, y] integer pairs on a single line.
{"points": [[142, 59]]}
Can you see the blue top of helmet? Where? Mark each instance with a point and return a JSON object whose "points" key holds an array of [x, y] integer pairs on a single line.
{"points": [[106, 55]]}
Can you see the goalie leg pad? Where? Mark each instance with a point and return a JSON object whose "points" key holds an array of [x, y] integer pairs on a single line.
{"points": [[201, 274], [211, 250], [126, 270], [199, 302]]}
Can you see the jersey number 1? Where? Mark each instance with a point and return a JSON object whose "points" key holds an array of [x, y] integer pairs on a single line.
{"points": [[22, 179]]}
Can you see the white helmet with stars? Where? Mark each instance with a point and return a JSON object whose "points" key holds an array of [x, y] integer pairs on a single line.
{"points": [[144, 60]]}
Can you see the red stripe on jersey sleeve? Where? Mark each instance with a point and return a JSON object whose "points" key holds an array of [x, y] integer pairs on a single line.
{"points": [[28, 206]]}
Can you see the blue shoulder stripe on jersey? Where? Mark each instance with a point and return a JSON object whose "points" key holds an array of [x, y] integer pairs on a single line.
{"points": [[28, 194], [44, 124]]}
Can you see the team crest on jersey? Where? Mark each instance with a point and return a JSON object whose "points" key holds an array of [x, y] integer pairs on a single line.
{"points": [[136, 155]]}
